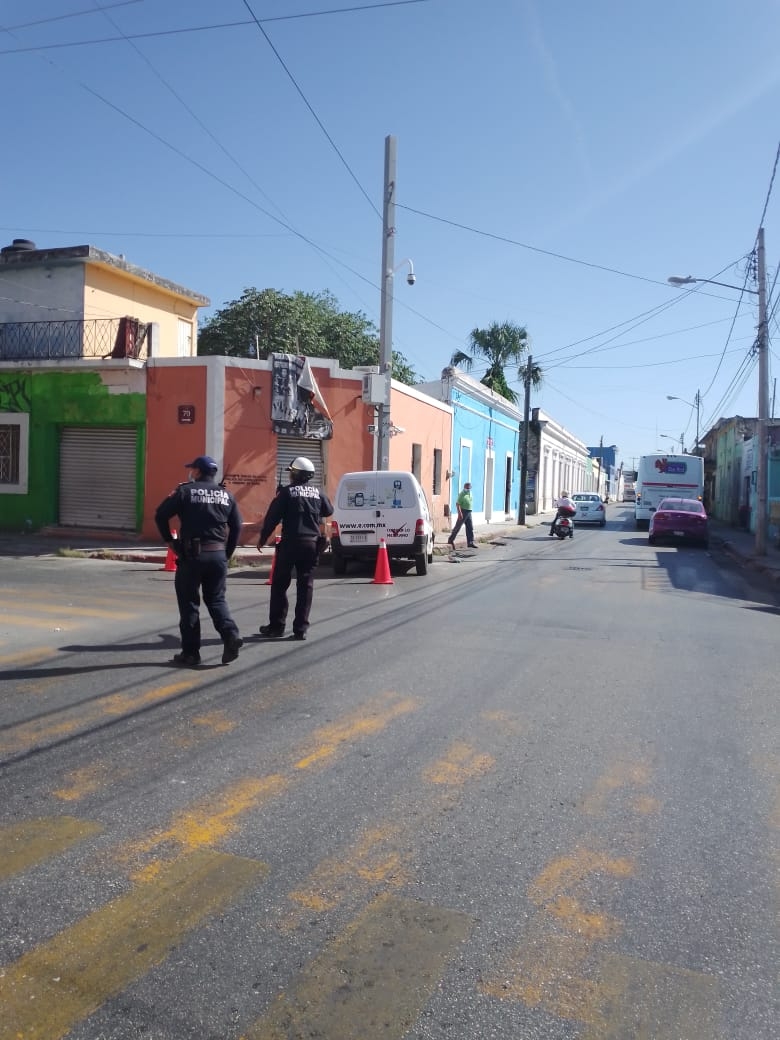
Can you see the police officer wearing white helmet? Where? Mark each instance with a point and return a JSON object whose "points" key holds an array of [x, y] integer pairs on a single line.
{"points": [[301, 509]]}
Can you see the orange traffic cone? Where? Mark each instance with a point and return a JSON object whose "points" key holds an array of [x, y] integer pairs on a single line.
{"points": [[170, 557], [382, 571], [273, 562]]}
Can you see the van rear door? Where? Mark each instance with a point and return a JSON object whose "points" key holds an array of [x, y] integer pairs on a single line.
{"points": [[357, 511], [398, 507]]}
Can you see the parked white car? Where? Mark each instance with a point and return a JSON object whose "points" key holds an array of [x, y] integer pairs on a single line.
{"points": [[590, 509]]}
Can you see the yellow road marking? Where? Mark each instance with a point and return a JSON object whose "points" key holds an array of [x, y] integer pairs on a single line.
{"points": [[81, 782], [368, 721], [70, 720], [369, 860], [548, 972], [565, 872], [24, 844], [509, 723], [26, 657], [208, 822], [72, 611], [202, 728], [48, 990], [373, 980], [621, 775], [460, 764], [649, 1001], [28, 621]]}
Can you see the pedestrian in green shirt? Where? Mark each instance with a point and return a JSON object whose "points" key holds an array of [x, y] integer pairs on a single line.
{"points": [[463, 502]]}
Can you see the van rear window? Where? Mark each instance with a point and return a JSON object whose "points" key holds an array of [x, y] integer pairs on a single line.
{"points": [[391, 492]]}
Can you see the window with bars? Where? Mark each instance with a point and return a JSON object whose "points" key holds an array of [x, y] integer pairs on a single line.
{"points": [[13, 453], [9, 454]]}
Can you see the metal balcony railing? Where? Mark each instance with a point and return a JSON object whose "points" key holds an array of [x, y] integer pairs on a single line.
{"points": [[89, 338]]}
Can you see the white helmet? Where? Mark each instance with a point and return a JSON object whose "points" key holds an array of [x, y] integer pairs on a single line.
{"points": [[301, 470]]}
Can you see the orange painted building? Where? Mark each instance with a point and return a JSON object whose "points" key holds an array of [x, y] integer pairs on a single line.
{"points": [[222, 407]]}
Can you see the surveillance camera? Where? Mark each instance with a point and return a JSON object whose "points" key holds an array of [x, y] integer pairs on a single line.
{"points": [[411, 278]]}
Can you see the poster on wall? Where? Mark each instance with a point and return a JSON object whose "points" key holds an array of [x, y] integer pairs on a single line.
{"points": [[298, 408]]}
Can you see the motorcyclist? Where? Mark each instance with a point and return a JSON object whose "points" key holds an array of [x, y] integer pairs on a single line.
{"points": [[565, 507]]}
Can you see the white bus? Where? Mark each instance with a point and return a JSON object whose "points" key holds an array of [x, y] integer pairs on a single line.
{"points": [[666, 476]]}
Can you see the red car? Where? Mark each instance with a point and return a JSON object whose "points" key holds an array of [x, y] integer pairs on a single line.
{"points": [[681, 519]]}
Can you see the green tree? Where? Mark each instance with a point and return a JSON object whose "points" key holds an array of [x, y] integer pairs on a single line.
{"points": [[263, 322], [501, 345]]}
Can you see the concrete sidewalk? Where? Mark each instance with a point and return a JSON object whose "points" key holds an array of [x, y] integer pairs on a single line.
{"points": [[110, 545]]}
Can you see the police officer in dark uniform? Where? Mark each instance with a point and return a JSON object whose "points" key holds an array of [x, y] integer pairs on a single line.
{"points": [[301, 510], [210, 525]]}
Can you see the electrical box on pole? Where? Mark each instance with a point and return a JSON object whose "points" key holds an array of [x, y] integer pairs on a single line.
{"points": [[376, 389]]}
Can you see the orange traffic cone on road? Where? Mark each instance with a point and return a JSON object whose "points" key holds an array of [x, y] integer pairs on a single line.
{"points": [[273, 562], [382, 570], [170, 557]]}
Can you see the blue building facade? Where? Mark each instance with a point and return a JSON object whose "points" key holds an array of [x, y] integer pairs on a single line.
{"points": [[607, 453], [485, 445]]}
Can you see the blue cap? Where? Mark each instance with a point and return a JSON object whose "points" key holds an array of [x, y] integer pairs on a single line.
{"points": [[204, 463]]}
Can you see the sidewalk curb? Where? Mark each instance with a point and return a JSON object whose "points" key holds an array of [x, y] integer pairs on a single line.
{"points": [[753, 563]]}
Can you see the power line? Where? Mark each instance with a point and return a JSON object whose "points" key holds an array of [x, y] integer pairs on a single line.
{"points": [[198, 28], [525, 245], [771, 183], [72, 14], [310, 107]]}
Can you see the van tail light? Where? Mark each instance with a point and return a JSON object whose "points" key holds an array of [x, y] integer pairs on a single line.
{"points": [[419, 528], [334, 529]]}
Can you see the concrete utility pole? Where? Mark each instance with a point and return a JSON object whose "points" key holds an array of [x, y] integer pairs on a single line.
{"points": [[762, 346], [386, 312], [762, 519], [697, 400], [524, 446]]}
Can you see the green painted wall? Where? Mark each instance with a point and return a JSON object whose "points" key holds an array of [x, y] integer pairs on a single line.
{"points": [[54, 400]]}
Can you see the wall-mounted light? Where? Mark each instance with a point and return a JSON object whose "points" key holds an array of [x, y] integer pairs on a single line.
{"points": [[257, 392]]}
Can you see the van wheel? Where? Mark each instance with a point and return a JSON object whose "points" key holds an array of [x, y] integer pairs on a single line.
{"points": [[339, 565], [421, 563]]}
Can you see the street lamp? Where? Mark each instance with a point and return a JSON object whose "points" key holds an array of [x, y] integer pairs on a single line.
{"points": [[762, 464], [681, 438], [697, 405]]}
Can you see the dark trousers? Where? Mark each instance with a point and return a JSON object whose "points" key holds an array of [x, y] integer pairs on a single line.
{"points": [[464, 519], [207, 574], [300, 555]]}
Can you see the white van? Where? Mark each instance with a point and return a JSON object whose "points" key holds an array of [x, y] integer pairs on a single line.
{"points": [[374, 504]]}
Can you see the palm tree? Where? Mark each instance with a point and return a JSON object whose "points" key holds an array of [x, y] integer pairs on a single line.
{"points": [[501, 344]]}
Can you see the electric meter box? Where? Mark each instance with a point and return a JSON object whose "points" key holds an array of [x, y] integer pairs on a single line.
{"points": [[376, 388]]}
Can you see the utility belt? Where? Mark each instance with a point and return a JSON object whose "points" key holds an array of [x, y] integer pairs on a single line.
{"points": [[191, 548]]}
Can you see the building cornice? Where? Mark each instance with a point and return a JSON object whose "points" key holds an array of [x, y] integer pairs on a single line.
{"points": [[86, 255]]}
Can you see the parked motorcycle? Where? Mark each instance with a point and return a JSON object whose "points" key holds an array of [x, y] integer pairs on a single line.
{"points": [[564, 528]]}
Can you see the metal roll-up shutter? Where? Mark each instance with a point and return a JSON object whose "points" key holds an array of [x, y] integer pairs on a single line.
{"points": [[98, 477], [289, 448]]}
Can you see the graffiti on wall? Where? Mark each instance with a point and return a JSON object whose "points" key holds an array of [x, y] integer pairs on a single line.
{"points": [[14, 396]]}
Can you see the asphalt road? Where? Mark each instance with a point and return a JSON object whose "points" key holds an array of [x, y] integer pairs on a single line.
{"points": [[534, 794]]}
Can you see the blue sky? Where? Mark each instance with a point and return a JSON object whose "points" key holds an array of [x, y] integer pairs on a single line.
{"points": [[557, 161]]}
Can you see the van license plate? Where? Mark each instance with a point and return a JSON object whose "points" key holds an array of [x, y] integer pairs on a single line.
{"points": [[353, 538]]}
